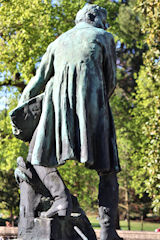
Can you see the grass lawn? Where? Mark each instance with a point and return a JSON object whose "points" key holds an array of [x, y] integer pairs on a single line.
{"points": [[135, 225]]}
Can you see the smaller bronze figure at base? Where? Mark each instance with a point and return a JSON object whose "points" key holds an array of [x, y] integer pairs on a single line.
{"points": [[41, 216], [72, 120]]}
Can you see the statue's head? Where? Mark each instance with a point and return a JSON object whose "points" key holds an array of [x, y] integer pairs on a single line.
{"points": [[92, 14]]}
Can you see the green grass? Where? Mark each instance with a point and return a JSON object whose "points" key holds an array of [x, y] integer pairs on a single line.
{"points": [[135, 225], [94, 221]]}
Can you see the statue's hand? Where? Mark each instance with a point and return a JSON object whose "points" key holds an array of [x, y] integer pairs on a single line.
{"points": [[22, 173], [21, 162], [20, 176]]}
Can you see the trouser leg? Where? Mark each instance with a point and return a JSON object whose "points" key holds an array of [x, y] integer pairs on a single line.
{"points": [[108, 204], [29, 200], [52, 180]]}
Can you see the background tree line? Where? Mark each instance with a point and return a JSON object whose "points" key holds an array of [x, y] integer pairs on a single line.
{"points": [[26, 29]]}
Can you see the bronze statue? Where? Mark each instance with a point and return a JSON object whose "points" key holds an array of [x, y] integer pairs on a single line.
{"points": [[72, 119]]}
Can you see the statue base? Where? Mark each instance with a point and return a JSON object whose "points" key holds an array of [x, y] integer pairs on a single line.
{"points": [[75, 227]]}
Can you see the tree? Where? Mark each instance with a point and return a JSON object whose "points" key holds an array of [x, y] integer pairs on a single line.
{"points": [[129, 53], [10, 147], [9, 194], [26, 31], [146, 109], [83, 183]]}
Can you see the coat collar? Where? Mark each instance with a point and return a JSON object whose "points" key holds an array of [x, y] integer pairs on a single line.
{"points": [[84, 25]]}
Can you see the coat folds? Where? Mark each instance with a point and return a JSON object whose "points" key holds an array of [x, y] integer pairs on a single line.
{"points": [[78, 72]]}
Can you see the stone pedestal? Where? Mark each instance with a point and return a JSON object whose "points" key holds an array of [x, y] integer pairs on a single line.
{"points": [[75, 227]]}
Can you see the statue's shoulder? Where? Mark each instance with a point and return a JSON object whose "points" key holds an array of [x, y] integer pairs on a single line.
{"points": [[53, 44], [103, 37], [61, 38], [108, 38], [108, 35], [102, 34]]}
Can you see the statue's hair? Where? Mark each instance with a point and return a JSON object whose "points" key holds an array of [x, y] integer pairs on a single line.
{"points": [[89, 12]]}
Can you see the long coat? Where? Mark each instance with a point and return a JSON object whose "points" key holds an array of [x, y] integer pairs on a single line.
{"points": [[78, 73]]}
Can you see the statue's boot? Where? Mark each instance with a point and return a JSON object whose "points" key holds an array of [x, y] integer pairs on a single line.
{"points": [[62, 205], [108, 204]]}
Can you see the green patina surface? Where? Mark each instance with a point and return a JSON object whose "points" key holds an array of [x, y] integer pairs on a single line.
{"points": [[78, 75]]}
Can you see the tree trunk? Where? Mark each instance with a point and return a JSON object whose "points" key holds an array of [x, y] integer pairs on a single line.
{"points": [[128, 209], [142, 222], [11, 217]]}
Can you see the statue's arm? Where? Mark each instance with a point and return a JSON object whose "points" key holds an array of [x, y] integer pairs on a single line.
{"points": [[43, 74], [110, 66]]}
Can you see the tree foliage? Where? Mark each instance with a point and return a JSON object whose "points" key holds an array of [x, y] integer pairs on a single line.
{"points": [[26, 30], [9, 194], [82, 182], [146, 157], [10, 147]]}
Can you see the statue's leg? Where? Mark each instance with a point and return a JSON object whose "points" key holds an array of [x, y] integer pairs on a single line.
{"points": [[27, 198], [52, 180], [28, 202], [108, 204]]}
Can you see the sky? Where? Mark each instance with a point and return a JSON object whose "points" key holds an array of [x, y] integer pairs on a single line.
{"points": [[4, 94]]}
